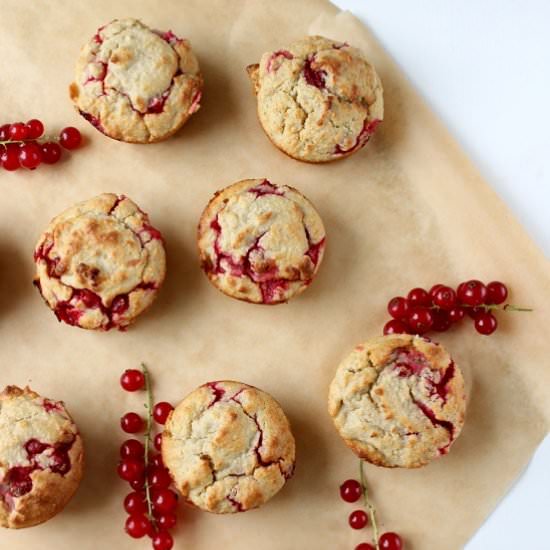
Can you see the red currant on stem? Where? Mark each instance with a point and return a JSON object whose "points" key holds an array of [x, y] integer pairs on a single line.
{"points": [[496, 293], [131, 423], [390, 541], [134, 503], [51, 152], [358, 519], [420, 320], [398, 308], [131, 469], [132, 380], [395, 327], [445, 297], [70, 138], [164, 501], [18, 131], [456, 314], [157, 460], [163, 541], [10, 157], [350, 490], [5, 132], [485, 323], [137, 526], [161, 412], [166, 521], [159, 478], [132, 448], [30, 155], [472, 293], [419, 297], [35, 128]]}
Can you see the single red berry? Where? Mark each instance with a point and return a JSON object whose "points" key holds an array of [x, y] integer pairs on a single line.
{"points": [[159, 478], [395, 327], [138, 484], [158, 441], [157, 460], [5, 132], [496, 292], [161, 411], [390, 541], [10, 157], [164, 501], [364, 546], [130, 469], [35, 128], [137, 526], [434, 289], [163, 541], [18, 131], [134, 503], [456, 314], [445, 297], [132, 380], [472, 293], [167, 521], [70, 138], [420, 320], [419, 297], [485, 323], [441, 320], [132, 448], [350, 490], [51, 152], [358, 519], [30, 155], [131, 423], [398, 308], [473, 312]]}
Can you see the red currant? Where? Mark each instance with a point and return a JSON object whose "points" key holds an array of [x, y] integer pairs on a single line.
{"points": [[395, 327], [358, 519], [131, 423], [441, 321], [70, 138], [163, 541], [390, 541], [419, 297], [167, 521], [131, 469], [137, 526], [420, 320], [434, 289], [398, 308], [132, 380], [445, 297], [157, 460], [456, 314], [132, 448], [159, 478], [51, 152], [496, 292], [161, 411], [472, 293], [5, 132], [158, 442], [485, 323], [164, 501], [18, 131], [10, 157], [35, 128], [134, 503], [138, 484], [364, 546], [30, 155], [350, 490]]}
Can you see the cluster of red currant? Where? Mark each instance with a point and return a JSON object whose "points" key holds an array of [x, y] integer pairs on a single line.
{"points": [[152, 505], [19, 146], [442, 306], [351, 491]]}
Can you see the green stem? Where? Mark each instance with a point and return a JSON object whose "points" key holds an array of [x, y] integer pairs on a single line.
{"points": [[368, 505], [147, 443], [511, 307]]}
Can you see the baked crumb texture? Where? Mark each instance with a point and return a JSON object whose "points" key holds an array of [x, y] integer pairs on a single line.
{"points": [[100, 263], [41, 458], [318, 99], [228, 447], [260, 242], [135, 84], [398, 401]]}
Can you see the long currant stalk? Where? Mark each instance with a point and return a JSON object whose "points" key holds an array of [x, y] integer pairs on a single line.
{"points": [[368, 505], [147, 442]]}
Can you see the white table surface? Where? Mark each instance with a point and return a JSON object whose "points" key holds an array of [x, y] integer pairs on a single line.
{"points": [[484, 67]]}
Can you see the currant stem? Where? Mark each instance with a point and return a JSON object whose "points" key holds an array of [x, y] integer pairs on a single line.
{"points": [[368, 505], [511, 307], [40, 140], [147, 442]]}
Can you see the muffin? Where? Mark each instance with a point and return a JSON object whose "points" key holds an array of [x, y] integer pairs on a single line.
{"points": [[135, 84], [41, 458], [100, 263], [318, 99], [398, 401], [260, 242], [228, 447]]}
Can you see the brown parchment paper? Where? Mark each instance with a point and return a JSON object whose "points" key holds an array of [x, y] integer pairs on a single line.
{"points": [[408, 210]]}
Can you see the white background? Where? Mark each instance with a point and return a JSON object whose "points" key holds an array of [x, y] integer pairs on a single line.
{"points": [[484, 67]]}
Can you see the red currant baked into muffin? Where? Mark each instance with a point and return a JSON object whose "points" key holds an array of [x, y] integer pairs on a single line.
{"points": [[41, 458], [135, 84], [318, 99], [100, 263], [228, 447], [398, 401], [260, 242]]}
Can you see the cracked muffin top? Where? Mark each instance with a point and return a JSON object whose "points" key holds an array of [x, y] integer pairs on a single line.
{"points": [[41, 458], [318, 99], [135, 84], [100, 263], [260, 242], [228, 447], [398, 401]]}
